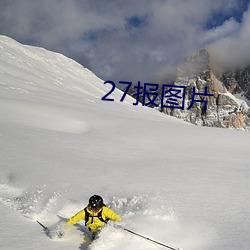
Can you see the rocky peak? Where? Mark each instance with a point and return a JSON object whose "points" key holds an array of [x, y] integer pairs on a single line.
{"points": [[237, 81], [223, 108], [196, 64]]}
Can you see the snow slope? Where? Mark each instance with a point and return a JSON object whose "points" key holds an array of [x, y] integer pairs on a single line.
{"points": [[176, 183]]}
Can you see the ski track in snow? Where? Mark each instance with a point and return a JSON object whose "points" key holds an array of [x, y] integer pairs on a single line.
{"points": [[42, 116]]}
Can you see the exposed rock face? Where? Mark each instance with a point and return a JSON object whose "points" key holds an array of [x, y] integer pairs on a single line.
{"points": [[237, 81], [223, 109]]}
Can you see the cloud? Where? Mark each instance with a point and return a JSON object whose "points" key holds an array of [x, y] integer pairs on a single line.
{"points": [[123, 40], [228, 28], [233, 49]]}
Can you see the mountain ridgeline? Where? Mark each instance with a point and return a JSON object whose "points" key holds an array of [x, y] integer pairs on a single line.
{"points": [[227, 99]]}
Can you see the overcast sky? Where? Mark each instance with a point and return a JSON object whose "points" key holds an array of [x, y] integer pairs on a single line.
{"points": [[131, 40]]}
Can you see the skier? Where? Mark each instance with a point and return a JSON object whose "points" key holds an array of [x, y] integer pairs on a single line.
{"points": [[95, 214]]}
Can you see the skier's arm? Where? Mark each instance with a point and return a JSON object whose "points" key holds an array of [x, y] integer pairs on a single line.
{"points": [[110, 214], [77, 217]]}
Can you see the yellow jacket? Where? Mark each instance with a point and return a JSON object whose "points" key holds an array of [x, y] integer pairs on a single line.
{"points": [[94, 223]]}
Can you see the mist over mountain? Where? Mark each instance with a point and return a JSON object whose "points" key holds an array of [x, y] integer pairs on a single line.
{"points": [[228, 87]]}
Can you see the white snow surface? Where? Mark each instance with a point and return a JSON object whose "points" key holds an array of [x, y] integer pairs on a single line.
{"points": [[182, 185]]}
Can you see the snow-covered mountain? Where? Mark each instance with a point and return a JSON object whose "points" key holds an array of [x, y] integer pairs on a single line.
{"points": [[223, 108], [237, 82], [182, 185]]}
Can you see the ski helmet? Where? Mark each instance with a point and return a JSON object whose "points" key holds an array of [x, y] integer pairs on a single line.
{"points": [[95, 202]]}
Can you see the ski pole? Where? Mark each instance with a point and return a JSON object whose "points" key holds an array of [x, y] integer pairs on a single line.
{"points": [[146, 238], [45, 228]]}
